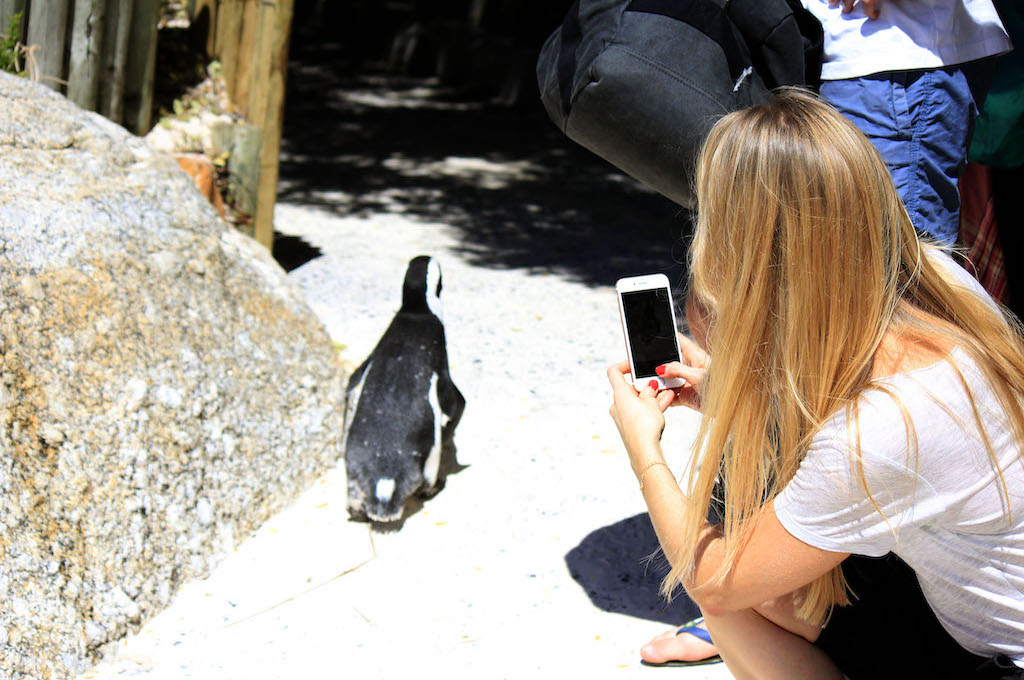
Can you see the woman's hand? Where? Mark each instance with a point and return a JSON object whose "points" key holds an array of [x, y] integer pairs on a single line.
{"points": [[639, 416], [692, 369]]}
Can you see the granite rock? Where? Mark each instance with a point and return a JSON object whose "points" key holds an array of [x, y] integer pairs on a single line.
{"points": [[164, 387]]}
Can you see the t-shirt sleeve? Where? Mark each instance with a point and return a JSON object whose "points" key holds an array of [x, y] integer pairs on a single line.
{"points": [[825, 504]]}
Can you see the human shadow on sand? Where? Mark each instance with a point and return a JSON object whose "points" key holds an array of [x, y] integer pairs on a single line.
{"points": [[615, 567]]}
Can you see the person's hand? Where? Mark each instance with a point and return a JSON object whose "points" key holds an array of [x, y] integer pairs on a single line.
{"points": [[691, 369], [639, 416], [870, 6]]}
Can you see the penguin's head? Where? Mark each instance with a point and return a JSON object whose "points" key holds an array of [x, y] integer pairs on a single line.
{"points": [[421, 292]]}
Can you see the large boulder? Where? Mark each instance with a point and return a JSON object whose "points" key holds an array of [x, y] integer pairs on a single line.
{"points": [[164, 388]]}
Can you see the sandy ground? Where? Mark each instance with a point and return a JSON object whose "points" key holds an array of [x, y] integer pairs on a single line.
{"points": [[479, 581], [531, 563]]}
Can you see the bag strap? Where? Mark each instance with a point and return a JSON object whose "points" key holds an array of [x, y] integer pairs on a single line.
{"points": [[570, 37], [709, 19]]}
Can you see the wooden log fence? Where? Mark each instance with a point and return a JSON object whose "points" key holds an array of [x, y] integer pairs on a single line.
{"points": [[250, 38], [102, 55]]}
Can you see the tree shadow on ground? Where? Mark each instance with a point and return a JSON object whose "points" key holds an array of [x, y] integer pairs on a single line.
{"points": [[614, 565], [359, 142]]}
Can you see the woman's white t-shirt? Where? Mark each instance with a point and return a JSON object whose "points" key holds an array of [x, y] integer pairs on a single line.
{"points": [[939, 502]]}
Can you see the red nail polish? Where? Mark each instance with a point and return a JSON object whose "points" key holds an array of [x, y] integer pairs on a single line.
{"points": [[660, 370], [653, 385]]}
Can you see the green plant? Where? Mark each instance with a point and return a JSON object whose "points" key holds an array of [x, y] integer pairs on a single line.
{"points": [[11, 49]]}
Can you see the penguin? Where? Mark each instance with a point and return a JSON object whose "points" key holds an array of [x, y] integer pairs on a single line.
{"points": [[402, 406]]}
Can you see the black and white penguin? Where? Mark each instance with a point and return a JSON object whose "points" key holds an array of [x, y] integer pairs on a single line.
{"points": [[402, 406]]}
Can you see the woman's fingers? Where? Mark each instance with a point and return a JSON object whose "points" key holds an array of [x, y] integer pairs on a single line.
{"points": [[665, 399], [617, 377], [687, 396], [692, 352], [654, 389], [622, 387], [677, 369]]}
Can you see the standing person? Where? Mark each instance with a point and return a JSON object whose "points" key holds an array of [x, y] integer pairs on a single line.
{"points": [[861, 396], [910, 75]]}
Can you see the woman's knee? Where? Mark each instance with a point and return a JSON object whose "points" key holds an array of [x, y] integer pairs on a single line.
{"points": [[782, 611]]}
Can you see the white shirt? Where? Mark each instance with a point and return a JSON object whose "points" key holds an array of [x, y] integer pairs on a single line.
{"points": [[943, 512], [908, 34]]}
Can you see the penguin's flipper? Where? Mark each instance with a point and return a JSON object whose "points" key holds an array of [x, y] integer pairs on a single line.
{"points": [[352, 394], [452, 404], [433, 480], [447, 404], [451, 400], [356, 379]]}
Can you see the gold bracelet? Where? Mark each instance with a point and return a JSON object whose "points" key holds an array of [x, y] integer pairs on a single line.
{"points": [[644, 473]]}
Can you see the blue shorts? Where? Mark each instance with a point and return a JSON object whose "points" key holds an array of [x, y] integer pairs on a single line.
{"points": [[921, 122]]}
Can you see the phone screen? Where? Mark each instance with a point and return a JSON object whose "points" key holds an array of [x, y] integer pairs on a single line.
{"points": [[652, 336]]}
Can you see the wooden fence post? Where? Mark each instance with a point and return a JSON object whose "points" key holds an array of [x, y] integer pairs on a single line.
{"points": [[273, 119], [115, 55], [108, 56], [251, 40], [247, 71], [85, 64], [247, 143], [140, 69], [48, 28], [228, 27]]}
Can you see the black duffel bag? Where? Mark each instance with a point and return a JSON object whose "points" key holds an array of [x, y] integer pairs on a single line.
{"points": [[640, 82]]}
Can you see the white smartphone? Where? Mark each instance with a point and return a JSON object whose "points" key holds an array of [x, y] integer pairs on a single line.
{"points": [[649, 326]]}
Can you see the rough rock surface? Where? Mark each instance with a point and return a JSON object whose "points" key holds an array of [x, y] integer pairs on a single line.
{"points": [[163, 387]]}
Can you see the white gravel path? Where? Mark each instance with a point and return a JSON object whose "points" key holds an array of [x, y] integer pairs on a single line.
{"points": [[475, 584]]}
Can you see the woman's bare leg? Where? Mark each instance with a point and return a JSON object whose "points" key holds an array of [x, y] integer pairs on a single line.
{"points": [[770, 642], [668, 646]]}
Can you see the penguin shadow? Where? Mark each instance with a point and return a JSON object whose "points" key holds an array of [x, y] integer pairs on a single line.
{"points": [[620, 567], [449, 466]]}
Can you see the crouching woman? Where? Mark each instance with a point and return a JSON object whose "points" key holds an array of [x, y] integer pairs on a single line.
{"points": [[861, 396]]}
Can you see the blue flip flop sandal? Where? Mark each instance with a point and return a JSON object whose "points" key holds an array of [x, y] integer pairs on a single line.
{"points": [[699, 633]]}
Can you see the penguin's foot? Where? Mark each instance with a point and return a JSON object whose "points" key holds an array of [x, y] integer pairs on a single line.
{"points": [[357, 515], [428, 492]]}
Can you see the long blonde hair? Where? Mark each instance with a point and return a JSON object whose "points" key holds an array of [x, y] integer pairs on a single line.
{"points": [[805, 260]]}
